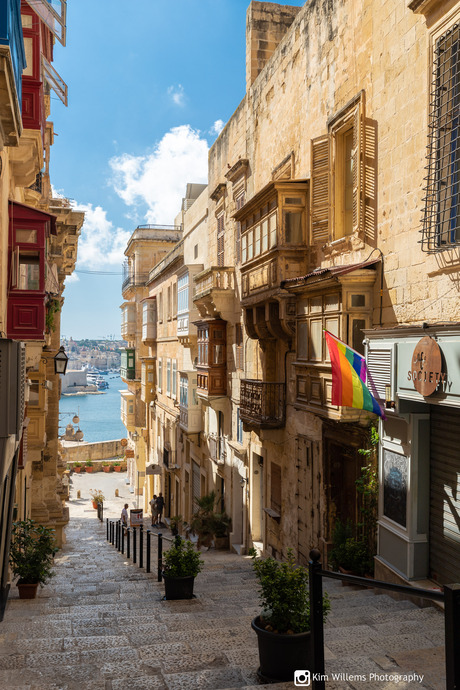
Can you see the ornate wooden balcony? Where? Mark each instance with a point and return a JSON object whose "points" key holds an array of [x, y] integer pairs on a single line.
{"points": [[263, 404]]}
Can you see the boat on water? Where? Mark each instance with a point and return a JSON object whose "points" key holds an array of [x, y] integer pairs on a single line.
{"points": [[97, 380]]}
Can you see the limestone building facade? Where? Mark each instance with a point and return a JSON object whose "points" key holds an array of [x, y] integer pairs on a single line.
{"points": [[38, 248], [320, 214]]}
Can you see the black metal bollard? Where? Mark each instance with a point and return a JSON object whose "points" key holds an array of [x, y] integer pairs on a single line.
{"points": [[122, 539], [316, 617], [452, 635], [134, 544], [107, 529], [147, 568], [160, 556], [116, 535], [141, 546], [128, 542], [119, 528], [111, 531]]}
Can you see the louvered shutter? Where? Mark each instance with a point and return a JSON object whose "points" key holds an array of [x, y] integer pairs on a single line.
{"points": [[239, 357], [379, 371], [370, 180], [444, 495], [220, 241], [239, 204], [358, 179], [319, 189]]}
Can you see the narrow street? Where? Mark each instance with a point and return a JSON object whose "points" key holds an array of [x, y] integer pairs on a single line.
{"points": [[101, 623]]}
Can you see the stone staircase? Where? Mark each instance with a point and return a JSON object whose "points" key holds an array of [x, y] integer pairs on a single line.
{"points": [[101, 623]]}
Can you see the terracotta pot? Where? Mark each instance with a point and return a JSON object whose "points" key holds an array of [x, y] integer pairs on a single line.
{"points": [[77, 469], [27, 591], [117, 468], [89, 469], [95, 505], [106, 468]]}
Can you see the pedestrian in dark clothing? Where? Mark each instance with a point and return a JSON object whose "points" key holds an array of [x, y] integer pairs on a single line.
{"points": [[160, 506]]}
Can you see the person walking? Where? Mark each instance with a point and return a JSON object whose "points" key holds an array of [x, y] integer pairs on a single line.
{"points": [[124, 516], [160, 506], [153, 509]]}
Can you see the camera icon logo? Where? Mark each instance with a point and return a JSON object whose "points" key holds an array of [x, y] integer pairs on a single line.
{"points": [[302, 678]]}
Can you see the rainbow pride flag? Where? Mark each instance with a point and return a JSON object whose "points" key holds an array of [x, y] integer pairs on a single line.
{"points": [[349, 377]]}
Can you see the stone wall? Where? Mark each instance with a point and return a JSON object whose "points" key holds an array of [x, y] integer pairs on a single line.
{"points": [[72, 452]]}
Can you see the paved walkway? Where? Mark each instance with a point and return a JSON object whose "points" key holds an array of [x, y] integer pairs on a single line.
{"points": [[101, 623]]}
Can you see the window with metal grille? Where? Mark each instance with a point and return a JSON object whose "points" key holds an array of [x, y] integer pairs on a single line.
{"points": [[220, 241], [441, 222]]}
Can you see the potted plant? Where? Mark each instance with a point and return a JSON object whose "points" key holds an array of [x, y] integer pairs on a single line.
{"points": [[77, 467], [116, 466], [349, 555], [31, 556], [89, 466], [181, 563], [175, 523], [106, 466], [97, 497], [211, 527], [283, 627]]}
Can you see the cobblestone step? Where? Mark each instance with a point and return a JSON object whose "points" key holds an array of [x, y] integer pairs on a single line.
{"points": [[101, 623]]}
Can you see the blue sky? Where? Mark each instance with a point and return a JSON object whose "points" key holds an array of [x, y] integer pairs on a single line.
{"points": [[150, 86]]}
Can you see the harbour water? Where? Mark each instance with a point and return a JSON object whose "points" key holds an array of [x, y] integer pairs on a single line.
{"points": [[99, 413]]}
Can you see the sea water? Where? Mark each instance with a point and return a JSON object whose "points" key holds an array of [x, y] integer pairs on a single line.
{"points": [[99, 413]]}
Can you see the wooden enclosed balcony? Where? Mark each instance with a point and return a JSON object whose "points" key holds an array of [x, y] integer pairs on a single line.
{"points": [[262, 404], [214, 292]]}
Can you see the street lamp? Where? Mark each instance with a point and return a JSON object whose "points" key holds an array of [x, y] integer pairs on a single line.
{"points": [[60, 361]]}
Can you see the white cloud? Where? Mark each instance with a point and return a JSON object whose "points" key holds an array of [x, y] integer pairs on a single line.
{"points": [[100, 244], [177, 94], [73, 278], [158, 179], [217, 127]]}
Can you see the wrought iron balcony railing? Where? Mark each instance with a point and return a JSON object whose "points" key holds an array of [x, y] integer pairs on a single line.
{"points": [[263, 404]]}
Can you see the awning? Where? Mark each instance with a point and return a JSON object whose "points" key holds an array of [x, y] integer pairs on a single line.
{"points": [[152, 469], [323, 274]]}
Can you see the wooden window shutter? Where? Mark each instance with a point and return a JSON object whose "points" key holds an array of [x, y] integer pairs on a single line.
{"points": [[239, 204], [319, 189], [370, 180], [357, 154], [239, 353], [220, 241]]}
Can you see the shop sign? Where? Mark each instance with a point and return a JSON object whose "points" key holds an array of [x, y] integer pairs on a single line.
{"points": [[129, 453], [136, 517], [426, 365], [124, 442]]}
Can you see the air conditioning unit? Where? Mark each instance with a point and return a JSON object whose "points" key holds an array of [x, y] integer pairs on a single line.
{"points": [[12, 387]]}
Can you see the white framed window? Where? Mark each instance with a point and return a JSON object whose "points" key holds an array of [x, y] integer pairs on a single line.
{"points": [[183, 294], [168, 377], [174, 378], [160, 374]]}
